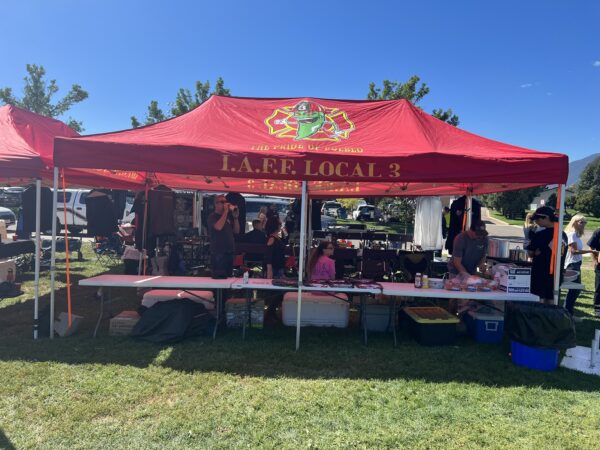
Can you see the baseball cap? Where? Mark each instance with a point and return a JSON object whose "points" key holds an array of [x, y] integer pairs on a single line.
{"points": [[545, 211]]}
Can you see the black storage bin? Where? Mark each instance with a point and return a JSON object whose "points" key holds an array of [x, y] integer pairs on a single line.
{"points": [[431, 325]]}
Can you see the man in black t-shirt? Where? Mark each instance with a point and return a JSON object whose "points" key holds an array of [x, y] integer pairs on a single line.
{"points": [[222, 225], [594, 244]]}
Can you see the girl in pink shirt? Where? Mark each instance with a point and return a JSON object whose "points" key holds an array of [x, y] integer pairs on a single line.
{"points": [[321, 266]]}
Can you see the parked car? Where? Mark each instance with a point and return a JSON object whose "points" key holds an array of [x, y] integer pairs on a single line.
{"points": [[254, 203], [358, 210], [7, 215], [331, 209], [327, 221], [370, 213], [11, 196], [76, 209]]}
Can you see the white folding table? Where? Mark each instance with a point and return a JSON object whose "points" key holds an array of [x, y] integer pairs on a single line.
{"points": [[105, 282], [409, 290]]}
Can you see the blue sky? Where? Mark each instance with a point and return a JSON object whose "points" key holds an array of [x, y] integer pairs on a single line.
{"points": [[523, 72]]}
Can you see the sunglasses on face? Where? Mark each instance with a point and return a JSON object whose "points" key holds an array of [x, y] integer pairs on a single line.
{"points": [[582, 222]]}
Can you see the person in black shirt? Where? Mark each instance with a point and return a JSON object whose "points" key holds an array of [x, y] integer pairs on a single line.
{"points": [[275, 254], [256, 236], [540, 249], [222, 225], [594, 244]]}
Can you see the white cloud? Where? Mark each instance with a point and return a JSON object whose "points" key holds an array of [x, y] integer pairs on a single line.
{"points": [[526, 85], [596, 63]]}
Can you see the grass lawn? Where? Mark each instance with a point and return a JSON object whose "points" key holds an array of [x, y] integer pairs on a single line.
{"points": [[108, 392], [593, 222]]}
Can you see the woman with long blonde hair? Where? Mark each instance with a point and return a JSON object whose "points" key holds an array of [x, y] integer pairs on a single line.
{"points": [[574, 231]]}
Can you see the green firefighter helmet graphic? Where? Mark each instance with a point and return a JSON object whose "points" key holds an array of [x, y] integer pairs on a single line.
{"points": [[310, 118]]}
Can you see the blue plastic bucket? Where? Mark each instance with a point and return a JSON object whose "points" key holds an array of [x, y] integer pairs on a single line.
{"points": [[534, 358]]}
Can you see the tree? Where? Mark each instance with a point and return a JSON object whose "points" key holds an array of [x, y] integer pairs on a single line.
{"points": [[588, 189], [411, 91], [37, 96], [185, 101], [589, 201], [512, 204]]}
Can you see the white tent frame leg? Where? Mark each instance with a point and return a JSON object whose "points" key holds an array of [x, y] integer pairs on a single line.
{"points": [[301, 257], [53, 251], [558, 262], [36, 283]]}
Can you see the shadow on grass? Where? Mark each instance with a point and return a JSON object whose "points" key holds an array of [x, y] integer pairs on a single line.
{"points": [[325, 353], [5, 442]]}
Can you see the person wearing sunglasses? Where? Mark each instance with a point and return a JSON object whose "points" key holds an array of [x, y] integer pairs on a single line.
{"points": [[469, 250], [321, 266], [575, 230], [222, 224], [594, 244], [540, 250]]}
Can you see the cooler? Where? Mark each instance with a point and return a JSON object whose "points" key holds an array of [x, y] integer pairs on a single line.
{"points": [[378, 317], [318, 309], [123, 323], [485, 325], [431, 325], [162, 295]]}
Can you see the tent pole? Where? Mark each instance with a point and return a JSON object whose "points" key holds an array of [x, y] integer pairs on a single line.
{"points": [[558, 267], [469, 206], [303, 211], [53, 251], [36, 284]]}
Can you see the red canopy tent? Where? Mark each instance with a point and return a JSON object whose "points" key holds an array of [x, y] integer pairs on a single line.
{"points": [[27, 147], [342, 148], [26, 154], [318, 147]]}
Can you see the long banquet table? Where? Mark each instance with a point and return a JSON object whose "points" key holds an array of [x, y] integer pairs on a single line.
{"points": [[105, 282]]}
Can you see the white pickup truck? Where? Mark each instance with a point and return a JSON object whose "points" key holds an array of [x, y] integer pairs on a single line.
{"points": [[76, 211]]}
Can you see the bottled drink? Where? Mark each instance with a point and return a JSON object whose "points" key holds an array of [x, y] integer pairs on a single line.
{"points": [[418, 280], [425, 282]]}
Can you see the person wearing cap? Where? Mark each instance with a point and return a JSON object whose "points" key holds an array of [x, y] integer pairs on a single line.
{"points": [[540, 249], [469, 250]]}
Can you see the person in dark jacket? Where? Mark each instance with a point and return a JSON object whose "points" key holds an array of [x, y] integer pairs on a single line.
{"points": [[275, 255], [255, 236], [540, 249]]}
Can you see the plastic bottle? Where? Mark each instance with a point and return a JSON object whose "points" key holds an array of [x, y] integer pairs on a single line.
{"points": [[418, 282], [425, 282], [246, 277]]}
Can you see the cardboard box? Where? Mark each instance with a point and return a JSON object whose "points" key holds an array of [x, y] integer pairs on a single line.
{"points": [[122, 324], [516, 280]]}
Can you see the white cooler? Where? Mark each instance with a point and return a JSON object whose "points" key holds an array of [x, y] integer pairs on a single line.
{"points": [[162, 295], [318, 309]]}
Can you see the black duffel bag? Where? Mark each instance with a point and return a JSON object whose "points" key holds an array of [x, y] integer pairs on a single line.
{"points": [[539, 325]]}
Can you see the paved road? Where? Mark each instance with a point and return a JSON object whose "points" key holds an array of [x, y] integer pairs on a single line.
{"points": [[499, 228]]}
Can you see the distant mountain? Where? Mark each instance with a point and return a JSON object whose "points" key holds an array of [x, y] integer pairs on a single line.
{"points": [[576, 167]]}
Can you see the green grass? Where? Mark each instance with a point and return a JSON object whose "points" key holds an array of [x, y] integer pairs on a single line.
{"points": [[499, 216], [593, 222], [80, 392]]}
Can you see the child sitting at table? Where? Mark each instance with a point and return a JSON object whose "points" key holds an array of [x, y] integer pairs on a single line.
{"points": [[321, 266]]}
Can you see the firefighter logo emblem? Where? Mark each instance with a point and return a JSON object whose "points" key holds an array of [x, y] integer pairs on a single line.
{"points": [[309, 121]]}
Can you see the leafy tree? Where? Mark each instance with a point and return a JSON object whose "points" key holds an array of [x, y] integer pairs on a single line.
{"points": [[411, 91], [512, 204], [588, 189], [38, 94], [570, 201], [589, 201], [185, 101]]}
